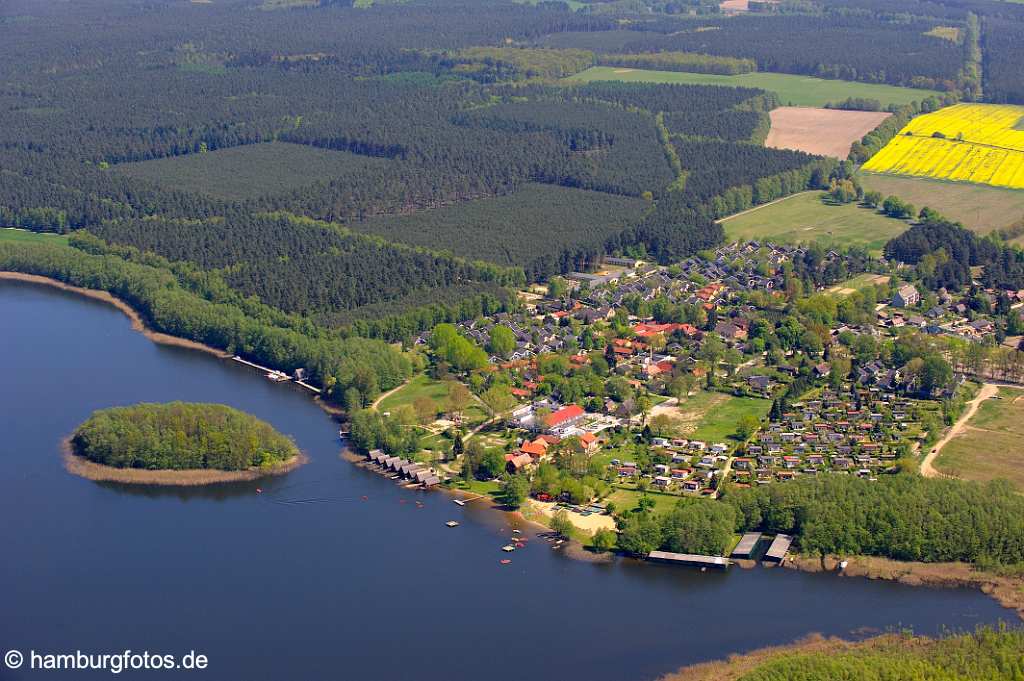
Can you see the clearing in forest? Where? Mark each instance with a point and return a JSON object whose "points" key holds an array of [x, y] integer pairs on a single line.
{"points": [[806, 217], [980, 143], [988, 447], [792, 90], [825, 132], [251, 170]]}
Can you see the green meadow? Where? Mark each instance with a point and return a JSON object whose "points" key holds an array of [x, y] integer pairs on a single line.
{"points": [[792, 90]]}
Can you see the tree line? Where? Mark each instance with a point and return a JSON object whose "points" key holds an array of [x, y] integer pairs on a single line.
{"points": [[903, 517], [180, 301], [953, 251]]}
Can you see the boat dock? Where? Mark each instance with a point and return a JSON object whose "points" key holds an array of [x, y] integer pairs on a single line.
{"points": [[277, 376], [416, 473], [689, 559], [748, 544], [780, 547]]}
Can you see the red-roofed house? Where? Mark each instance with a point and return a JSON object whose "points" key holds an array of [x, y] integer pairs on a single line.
{"points": [[589, 442], [650, 329], [656, 368], [537, 448], [517, 463]]}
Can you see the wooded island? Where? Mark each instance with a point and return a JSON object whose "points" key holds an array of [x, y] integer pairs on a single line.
{"points": [[178, 443]]}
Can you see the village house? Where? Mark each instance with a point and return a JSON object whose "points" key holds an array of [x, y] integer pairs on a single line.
{"points": [[906, 296]]}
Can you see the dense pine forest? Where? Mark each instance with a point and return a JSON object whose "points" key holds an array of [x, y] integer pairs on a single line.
{"points": [[833, 46], [317, 269], [375, 170]]}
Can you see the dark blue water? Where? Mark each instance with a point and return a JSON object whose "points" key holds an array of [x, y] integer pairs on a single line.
{"points": [[307, 580]]}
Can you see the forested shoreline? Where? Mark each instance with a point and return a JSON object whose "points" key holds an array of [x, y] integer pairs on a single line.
{"points": [[247, 328]]}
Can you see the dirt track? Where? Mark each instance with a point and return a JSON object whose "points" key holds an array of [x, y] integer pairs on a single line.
{"points": [[927, 469]]}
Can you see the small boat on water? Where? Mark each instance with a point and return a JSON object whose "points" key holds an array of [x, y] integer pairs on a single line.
{"points": [[505, 561], [516, 532], [508, 548], [460, 502], [452, 523]]}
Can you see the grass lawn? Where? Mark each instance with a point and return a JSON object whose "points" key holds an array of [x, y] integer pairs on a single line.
{"points": [[487, 487], [712, 416], [980, 208], [628, 499], [21, 236], [990, 446], [419, 386], [435, 442], [792, 90], [861, 281], [806, 218]]}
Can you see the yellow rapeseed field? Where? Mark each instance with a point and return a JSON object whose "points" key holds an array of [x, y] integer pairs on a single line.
{"points": [[981, 143]]}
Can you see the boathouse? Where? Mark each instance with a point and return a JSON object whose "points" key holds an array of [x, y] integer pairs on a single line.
{"points": [[689, 559], [780, 547], [748, 543]]}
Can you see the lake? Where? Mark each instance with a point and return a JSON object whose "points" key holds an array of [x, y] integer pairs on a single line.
{"points": [[308, 580]]}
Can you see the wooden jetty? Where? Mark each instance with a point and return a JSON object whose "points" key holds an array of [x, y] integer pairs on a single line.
{"points": [[689, 559], [276, 375], [747, 546], [780, 547]]}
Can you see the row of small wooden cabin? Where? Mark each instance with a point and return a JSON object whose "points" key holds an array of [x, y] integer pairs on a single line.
{"points": [[419, 472]]}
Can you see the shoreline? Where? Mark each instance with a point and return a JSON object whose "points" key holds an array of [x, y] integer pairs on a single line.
{"points": [[736, 666], [1007, 591], [90, 470], [139, 324], [525, 518]]}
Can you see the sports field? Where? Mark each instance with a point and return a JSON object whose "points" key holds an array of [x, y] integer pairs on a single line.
{"points": [[980, 143], [806, 217], [792, 90], [989, 446]]}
